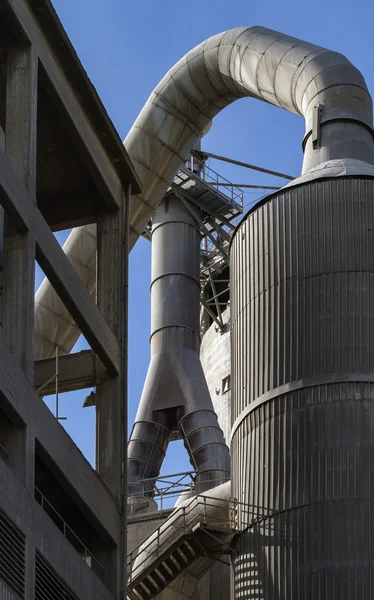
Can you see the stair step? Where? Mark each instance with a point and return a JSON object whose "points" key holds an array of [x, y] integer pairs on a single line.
{"points": [[190, 547], [183, 556], [173, 565], [165, 572], [151, 584], [159, 579], [143, 590], [133, 594], [172, 560]]}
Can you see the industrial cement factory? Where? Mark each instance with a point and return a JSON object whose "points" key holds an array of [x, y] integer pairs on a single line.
{"points": [[261, 341]]}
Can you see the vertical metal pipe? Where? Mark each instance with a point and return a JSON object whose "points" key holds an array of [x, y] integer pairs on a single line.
{"points": [[175, 392]]}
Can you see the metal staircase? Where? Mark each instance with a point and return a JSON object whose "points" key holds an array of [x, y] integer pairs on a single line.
{"points": [[217, 205], [189, 541]]}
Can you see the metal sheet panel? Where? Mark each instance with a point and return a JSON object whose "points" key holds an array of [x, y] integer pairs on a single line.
{"points": [[6, 594], [302, 268]]}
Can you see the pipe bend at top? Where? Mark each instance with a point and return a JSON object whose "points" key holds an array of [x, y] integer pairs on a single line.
{"points": [[246, 61], [259, 63]]}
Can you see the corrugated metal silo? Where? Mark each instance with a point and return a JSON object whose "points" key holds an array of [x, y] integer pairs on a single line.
{"points": [[302, 285]]}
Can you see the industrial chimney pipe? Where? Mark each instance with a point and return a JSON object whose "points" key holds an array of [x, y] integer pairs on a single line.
{"points": [[175, 393]]}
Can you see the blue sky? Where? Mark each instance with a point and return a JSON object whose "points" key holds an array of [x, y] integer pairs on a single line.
{"points": [[126, 47]]}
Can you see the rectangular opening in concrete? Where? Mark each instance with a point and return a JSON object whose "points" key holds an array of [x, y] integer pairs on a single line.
{"points": [[53, 493], [12, 443]]}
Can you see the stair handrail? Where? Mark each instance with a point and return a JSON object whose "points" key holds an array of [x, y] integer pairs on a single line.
{"points": [[180, 523]]}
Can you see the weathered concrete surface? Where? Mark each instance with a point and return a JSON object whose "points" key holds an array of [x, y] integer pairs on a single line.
{"points": [[43, 535], [216, 361], [215, 585], [141, 528], [92, 496]]}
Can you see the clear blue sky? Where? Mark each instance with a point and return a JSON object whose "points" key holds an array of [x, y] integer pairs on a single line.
{"points": [[126, 47]]}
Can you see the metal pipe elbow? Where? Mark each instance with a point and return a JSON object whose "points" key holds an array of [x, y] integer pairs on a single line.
{"points": [[249, 62]]}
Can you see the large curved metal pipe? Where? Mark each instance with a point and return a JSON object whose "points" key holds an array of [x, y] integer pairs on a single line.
{"points": [[319, 84]]}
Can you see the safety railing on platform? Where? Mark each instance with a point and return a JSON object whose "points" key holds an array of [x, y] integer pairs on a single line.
{"points": [[165, 488], [69, 534], [202, 510], [222, 185]]}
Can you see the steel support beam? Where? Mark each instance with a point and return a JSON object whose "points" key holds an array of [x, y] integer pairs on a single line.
{"points": [[204, 155]]}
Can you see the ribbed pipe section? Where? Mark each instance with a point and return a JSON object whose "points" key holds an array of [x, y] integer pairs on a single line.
{"points": [[206, 446], [147, 447], [302, 268]]}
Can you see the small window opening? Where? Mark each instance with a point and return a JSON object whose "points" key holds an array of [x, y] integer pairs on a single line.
{"points": [[226, 384]]}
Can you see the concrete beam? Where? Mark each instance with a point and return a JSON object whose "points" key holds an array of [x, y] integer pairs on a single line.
{"points": [[56, 266], [19, 247], [77, 371], [83, 133], [110, 397], [85, 486]]}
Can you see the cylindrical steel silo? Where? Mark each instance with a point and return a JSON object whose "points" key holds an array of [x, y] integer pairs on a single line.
{"points": [[302, 285]]}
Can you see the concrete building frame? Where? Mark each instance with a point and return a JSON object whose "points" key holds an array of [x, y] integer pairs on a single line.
{"points": [[44, 87]]}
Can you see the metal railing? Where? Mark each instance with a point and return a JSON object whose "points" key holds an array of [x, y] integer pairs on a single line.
{"points": [[69, 534], [203, 510], [165, 488], [222, 185]]}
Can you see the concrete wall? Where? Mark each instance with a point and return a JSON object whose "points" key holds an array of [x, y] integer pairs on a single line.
{"points": [[92, 496], [215, 584], [141, 528], [42, 535], [23, 406], [216, 361]]}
